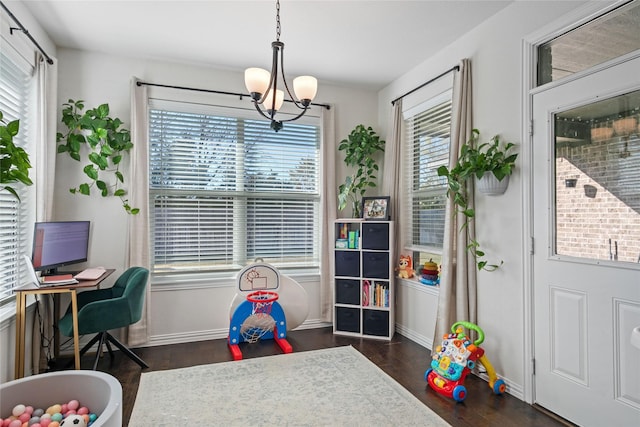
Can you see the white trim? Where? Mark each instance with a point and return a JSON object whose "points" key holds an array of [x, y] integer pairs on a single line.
{"points": [[555, 28]]}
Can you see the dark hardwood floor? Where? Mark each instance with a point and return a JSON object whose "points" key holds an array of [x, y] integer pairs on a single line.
{"points": [[401, 358]]}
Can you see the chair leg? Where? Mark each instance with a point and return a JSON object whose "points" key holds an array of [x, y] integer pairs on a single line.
{"points": [[111, 355], [103, 337], [84, 349], [126, 351]]}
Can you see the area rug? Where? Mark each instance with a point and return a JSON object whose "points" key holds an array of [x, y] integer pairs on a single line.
{"points": [[330, 387]]}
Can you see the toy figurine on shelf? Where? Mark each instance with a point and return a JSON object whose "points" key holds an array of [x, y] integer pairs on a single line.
{"points": [[430, 274], [405, 267]]}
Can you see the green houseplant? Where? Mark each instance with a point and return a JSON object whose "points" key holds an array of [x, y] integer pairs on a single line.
{"points": [[14, 160], [476, 160], [359, 149], [107, 143]]}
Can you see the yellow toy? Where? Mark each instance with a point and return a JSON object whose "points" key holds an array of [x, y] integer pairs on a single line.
{"points": [[405, 267]]}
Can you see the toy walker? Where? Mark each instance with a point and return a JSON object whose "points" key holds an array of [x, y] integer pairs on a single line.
{"points": [[455, 358], [259, 316]]}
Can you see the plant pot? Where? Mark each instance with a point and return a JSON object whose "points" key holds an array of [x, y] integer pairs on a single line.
{"points": [[490, 185]]}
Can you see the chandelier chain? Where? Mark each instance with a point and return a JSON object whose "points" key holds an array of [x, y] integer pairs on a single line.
{"points": [[278, 27]]}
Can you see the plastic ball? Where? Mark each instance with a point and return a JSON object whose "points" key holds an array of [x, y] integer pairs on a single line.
{"points": [[38, 412], [15, 423], [54, 409], [44, 422], [56, 417], [82, 410], [73, 404], [28, 409], [24, 417], [74, 421], [54, 424], [92, 417], [34, 420], [18, 410]]}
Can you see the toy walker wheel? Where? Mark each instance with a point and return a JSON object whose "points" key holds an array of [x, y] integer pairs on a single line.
{"points": [[459, 393], [499, 387], [426, 374]]}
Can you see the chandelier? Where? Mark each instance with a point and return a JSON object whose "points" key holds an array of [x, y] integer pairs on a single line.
{"points": [[262, 85]]}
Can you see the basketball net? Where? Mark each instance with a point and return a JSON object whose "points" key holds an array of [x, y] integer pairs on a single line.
{"points": [[260, 321]]}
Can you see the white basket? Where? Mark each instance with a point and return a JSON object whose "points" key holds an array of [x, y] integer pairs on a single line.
{"points": [[490, 185]]}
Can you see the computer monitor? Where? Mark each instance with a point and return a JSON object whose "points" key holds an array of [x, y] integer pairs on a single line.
{"points": [[56, 244]]}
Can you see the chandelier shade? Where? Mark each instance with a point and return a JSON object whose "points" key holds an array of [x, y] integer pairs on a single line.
{"points": [[262, 84]]}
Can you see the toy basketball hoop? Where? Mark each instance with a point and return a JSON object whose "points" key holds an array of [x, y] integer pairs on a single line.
{"points": [[260, 322]]}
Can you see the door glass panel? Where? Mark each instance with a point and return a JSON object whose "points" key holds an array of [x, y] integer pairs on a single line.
{"points": [[610, 36], [597, 180]]}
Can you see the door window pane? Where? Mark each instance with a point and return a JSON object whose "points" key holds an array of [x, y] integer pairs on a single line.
{"points": [[612, 35], [597, 160]]}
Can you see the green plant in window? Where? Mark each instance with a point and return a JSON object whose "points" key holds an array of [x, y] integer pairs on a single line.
{"points": [[106, 144], [14, 160], [359, 149], [474, 161]]}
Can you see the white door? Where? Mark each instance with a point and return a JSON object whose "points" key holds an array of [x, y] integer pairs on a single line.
{"points": [[586, 262]]}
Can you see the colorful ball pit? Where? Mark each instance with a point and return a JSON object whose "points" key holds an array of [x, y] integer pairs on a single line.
{"points": [[94, 396]]}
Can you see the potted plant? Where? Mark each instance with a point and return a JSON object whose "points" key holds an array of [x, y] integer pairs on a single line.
{"points": [[481, 161], [107, 143], [359, 148], [14, 160]]}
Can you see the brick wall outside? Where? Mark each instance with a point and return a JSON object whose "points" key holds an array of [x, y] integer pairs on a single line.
{"points": [[605, 202]]}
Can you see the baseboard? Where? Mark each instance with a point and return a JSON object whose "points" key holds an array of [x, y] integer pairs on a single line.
{"points": [[414, 336], [214, 334]]}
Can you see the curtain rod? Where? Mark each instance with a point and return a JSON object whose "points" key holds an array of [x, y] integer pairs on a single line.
{"points": [[455, 68], [241, 95], [26, 32]]}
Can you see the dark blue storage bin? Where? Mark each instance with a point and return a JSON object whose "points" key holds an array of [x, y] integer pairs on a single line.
{"points": [[347, 291], [375, 322], [375, 265], [348, 319], [375, 236], [348, 263]]}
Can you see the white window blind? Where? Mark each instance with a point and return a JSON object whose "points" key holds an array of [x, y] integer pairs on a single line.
{"points": [[428, 142], [15, 79], [226, 190]]}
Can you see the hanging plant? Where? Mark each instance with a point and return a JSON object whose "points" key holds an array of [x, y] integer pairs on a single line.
{"points": [[107, 143], [14, 160], [475, 160]]}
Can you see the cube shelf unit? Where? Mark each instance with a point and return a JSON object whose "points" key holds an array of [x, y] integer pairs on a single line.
{"points": [[364, 294]]}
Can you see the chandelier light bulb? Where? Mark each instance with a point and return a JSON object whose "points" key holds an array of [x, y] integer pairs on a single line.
{"points": [[305, 88], [257, 81], [268, 99]]}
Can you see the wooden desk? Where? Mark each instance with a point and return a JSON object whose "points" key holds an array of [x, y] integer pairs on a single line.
{"points": [[21, 308]]}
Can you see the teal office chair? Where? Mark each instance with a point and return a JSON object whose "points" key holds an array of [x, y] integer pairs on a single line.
{"points": [[102, 310]]}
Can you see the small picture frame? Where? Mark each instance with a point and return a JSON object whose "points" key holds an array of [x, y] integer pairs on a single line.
{"points": [[376, 208]]}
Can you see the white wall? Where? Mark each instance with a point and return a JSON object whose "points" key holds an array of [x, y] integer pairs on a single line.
{"points": [[494, 48], [191, 309]]}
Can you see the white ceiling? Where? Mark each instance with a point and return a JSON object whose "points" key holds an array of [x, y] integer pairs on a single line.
{"points": [[355, 42]]}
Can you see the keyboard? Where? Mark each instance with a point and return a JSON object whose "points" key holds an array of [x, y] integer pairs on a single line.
{"points": [[90, 273]]}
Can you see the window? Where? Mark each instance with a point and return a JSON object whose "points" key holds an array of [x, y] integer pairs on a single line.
{"points": [[226, 189], [428, 128], [15, 84], [610, 36]]}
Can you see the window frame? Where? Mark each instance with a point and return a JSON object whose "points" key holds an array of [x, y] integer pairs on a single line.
{"points": [[240, 257], [17, 217], [422, 253]]}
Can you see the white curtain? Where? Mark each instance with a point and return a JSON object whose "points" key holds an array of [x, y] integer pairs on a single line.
{"points": [[329, 211], [458, 285], [43, 164], [392, 174], [46, 98], [138, 238]]}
